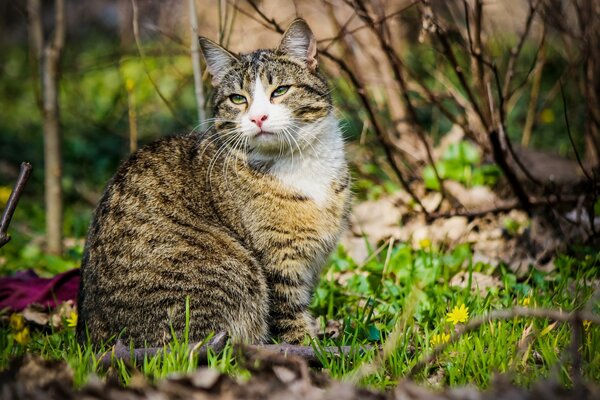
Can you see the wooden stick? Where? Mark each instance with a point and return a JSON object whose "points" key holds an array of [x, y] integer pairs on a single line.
{"points": [[216, 345], [13, 199]]}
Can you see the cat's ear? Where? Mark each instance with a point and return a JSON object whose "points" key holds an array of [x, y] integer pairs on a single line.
{"points": [[218, 60], [298, 41]]}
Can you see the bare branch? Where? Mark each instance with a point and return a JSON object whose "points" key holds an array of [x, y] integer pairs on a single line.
{"points": [[566, 115], [138, 43], [11, 204], [195, 50]]}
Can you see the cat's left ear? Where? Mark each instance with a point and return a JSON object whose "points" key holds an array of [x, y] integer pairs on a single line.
{"points": [[218, 59], [298, 41]]}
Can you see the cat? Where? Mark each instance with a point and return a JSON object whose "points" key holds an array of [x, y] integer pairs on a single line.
{"points": [[239, 219]]}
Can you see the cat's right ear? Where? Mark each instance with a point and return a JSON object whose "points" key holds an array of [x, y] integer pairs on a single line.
{"points": [[218, 60]]}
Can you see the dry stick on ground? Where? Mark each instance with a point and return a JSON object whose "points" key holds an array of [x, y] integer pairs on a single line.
{"points": [[11, 204], [216, 345], [573, 318], [379, 130]]}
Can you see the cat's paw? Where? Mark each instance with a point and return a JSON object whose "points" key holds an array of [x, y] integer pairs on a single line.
{"points": [[300, 330]]}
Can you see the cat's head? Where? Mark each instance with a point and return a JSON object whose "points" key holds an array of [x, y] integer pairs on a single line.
{"points": [[267, 101]]}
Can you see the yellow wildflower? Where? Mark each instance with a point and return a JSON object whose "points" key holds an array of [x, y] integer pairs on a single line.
{"points": [[129, 84], [16, 322], [458, 314], [525, 302], [4, 195], [440, 338], [22, 336], [547, 116], [586, 325], [424, 243], [72, 320]]}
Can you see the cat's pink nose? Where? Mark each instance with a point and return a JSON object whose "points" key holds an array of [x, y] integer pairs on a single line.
{"points": [[259, 120]]}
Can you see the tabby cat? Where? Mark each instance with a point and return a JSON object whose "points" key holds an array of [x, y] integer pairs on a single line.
{"points": [[239, 219]]}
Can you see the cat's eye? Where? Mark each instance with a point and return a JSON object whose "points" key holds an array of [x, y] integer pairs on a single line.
{"points": [[238, 99], [279, 91]]}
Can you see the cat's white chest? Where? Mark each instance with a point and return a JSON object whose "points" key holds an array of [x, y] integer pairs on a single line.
{"points": [[307, 177], [312, 173]]}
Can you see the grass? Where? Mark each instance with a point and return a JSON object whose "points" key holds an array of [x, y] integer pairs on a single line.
{"points": [[400, 289]]}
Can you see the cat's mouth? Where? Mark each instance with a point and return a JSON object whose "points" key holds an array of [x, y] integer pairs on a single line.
{"points": [[263, 134]]}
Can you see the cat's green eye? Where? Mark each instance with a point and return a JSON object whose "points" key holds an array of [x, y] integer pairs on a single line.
{"points": [[237, 99], [281, 90]]}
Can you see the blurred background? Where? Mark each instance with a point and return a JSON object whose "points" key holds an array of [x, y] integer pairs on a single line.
{"points": [[435, 98]]}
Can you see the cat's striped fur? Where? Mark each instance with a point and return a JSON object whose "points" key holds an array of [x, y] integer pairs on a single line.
{"points": [[238, 221]]}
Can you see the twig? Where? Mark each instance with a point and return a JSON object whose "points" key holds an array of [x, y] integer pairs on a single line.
{"points": [[504, 315], [13, 199], [379, 131], [216, 345], [566, 114], [396, 64], [500, 159], [138, 43], [505, 207], [515, 51], [195, 50], [533, 98]]}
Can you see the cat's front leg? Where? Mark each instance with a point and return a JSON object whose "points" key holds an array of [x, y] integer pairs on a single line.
{"points": [[290, 298]]}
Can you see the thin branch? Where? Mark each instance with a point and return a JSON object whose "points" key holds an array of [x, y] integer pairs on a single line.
{"points": [[566, 114], [215, 345], [379, 131], [136, 35], [497, 315], [11, 204], [515, 51], [195, 50], [397, 64], [500, 159]]}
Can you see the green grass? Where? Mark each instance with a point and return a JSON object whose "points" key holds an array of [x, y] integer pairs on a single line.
{"points": [[406, 290]]}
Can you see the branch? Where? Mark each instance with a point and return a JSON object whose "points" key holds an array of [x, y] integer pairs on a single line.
{"points": [[379, 131], [217, 344], [195, 50], [500, 157], [397, 64], [564, 101], [11, 204], [136, 35], [515, 51]]}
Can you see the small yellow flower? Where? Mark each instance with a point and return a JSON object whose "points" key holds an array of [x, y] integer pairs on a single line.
{"points": [[439, 339], [547, 116], [16, 322], [458, 314], [586, 325], [129, 84], [525, 302], [22, 336], [72, 320], [5, 192], [425, 243]]}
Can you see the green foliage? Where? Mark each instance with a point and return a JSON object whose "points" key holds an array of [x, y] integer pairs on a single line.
{"points": [[460, 162]]}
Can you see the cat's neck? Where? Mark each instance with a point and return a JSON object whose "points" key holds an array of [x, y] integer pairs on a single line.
{"points": [[311, 169]]}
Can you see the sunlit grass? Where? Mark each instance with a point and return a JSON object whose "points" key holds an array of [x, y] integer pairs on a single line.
{"points": [[368, 301]]}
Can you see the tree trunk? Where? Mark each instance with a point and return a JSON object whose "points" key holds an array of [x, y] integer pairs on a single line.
{"points": [[48, 56]]}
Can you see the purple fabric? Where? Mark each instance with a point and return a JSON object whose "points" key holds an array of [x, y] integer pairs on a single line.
{"points": [[26, 287]]}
